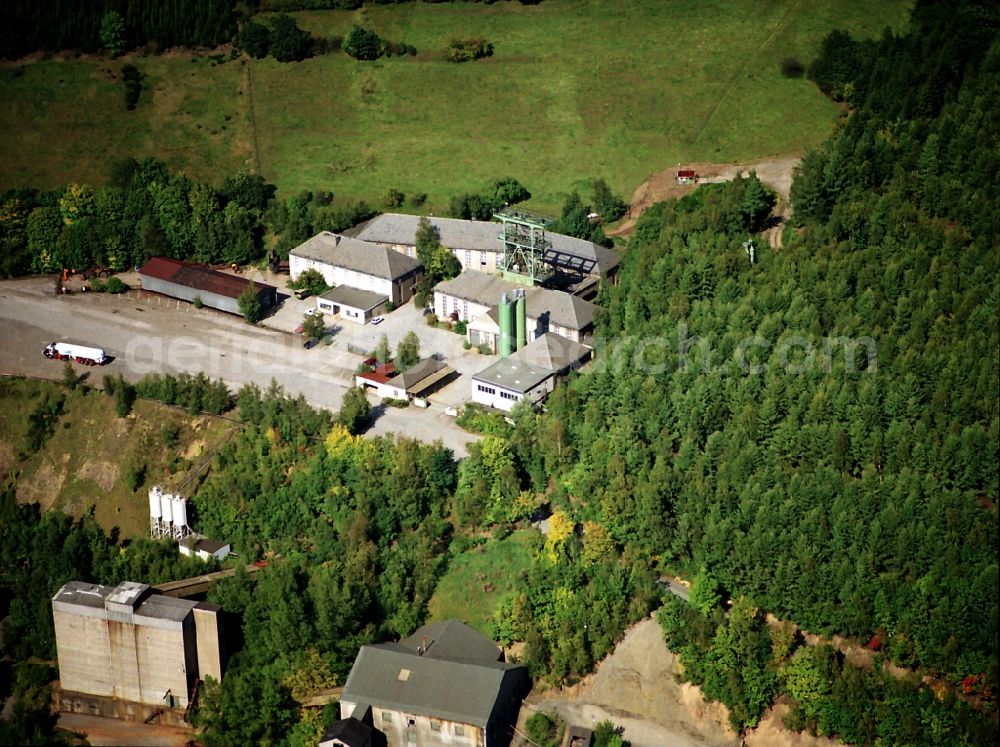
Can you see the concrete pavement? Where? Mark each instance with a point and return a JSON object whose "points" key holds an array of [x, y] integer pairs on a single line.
{"points": [[148, 333]]}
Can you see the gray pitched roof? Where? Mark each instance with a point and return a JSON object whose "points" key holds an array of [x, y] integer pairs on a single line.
{"points": [[418, 372], [478, 287], [458, 678], [563, 309], [557, 307], [514, 375], [553, 352], [356, 298], [353, 254], [565, 251]]}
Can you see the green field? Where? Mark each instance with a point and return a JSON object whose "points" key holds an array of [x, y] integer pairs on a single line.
{"points": [[82, 465], [479, 578], [576, 89]]}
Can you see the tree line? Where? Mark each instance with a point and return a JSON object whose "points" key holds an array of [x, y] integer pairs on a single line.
{"points": [[52, 25], [146, 210]]}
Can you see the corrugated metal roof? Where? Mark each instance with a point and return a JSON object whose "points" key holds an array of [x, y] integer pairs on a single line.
{"points": [[199, 277], [416, 373], [360, 256]]}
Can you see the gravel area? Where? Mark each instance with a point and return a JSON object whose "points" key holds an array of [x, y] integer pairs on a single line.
{"points": [[146, 333]]}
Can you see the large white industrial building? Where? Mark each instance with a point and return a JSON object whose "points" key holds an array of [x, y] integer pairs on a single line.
{"points": [[345, 261], [479, 245], [473, 297]]}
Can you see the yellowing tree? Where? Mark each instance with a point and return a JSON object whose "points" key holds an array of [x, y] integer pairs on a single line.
{"points": [[597, 543], [561, 528]]}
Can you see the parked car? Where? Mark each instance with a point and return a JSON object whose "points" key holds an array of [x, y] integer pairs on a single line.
{"points": [[300, 329], [301, 293], [310, 343], [378, 319]]}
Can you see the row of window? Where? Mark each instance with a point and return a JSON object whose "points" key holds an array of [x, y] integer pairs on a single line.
{"points": [[508, 395], [411, 735], [487, 389]]}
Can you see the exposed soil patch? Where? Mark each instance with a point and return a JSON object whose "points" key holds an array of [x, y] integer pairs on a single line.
{"points": [[45, 485], [638, 688], [196, 449], [104, 474], [775, 172]]}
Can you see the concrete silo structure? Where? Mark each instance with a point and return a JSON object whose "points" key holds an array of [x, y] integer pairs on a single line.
{"points": [[126, 652], [167, 510], [167, 515], [180, 529]]}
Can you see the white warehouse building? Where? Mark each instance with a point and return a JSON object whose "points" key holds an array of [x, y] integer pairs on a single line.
{"points": [[530, 373], [344, 261], [473, 297], [478, 245]]}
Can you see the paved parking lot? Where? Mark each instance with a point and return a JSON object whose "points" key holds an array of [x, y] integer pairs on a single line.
{"points": [[349, 335], [146, 333]]}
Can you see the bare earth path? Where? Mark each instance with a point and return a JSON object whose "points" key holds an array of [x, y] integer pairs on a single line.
{"points": [[637, 688], [776, 172]]}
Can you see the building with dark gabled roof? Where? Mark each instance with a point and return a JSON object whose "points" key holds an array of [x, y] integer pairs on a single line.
{"points": [[445, 684], [189, 281], [350, 732], [478, 246], [366, 266]]}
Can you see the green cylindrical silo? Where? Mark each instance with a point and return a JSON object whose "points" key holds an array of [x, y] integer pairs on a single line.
{"points": [[506, 327], [520, 313]]}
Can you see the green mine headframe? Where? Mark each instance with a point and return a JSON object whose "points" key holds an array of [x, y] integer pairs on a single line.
{"points": [[507, 335], [524, 245]]}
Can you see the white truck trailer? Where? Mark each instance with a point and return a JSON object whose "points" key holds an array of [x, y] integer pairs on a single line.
{"points": [[65, 351]]}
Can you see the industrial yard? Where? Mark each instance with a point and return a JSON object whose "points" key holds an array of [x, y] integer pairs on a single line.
{"points": [[146, 333]]}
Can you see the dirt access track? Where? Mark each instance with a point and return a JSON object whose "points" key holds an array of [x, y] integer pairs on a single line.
{"points": [[776, 172], [637, 687]]}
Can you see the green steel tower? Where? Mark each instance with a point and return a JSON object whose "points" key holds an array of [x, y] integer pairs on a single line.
{"points": [[524, 247]]}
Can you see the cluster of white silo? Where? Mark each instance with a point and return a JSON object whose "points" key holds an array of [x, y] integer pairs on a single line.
{"points": [[167, 515]]}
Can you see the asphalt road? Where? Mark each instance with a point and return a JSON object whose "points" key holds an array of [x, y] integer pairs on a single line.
{"points": [[147, 333]]}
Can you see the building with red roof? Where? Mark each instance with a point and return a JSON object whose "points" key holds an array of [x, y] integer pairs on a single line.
{"points": [[188, 281]]}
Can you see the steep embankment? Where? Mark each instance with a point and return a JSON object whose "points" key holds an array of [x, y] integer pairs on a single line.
{"points": [[638, 688], [87, 456]]}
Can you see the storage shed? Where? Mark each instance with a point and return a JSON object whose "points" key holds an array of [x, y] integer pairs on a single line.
{"points": [[352, 304], [188, 281]]}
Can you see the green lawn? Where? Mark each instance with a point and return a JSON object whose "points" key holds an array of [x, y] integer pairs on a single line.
{"points": [[66, 121], [479, 578], [576, 89]]}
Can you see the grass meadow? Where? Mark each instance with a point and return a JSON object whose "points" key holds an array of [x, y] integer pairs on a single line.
{"points": [[477, 579], [576, 89]]}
